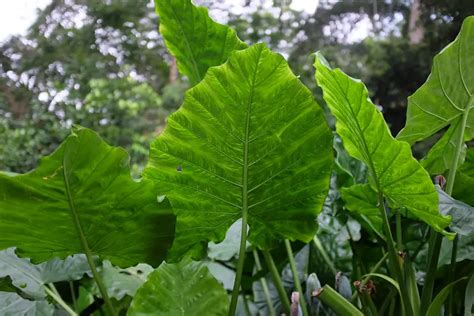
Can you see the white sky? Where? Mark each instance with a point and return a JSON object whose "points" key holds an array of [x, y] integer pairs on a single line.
{"points": [[17, 15]]}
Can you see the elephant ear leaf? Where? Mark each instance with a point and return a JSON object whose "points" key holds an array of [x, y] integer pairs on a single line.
{"points": [[465, 180], [194, 38], [185, 288], [82, 199], [365, 135], [250, 141], [445, 100]]}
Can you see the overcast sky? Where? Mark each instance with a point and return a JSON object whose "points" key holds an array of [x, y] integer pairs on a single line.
{"points": [[17, 15]]}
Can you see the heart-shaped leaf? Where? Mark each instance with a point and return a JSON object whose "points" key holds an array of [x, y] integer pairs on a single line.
{"points": [[249, 139], [445, 99], [393, 170], [185, 288], [194, 38], [82, 196]]}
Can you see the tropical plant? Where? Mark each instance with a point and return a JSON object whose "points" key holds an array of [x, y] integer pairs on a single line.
{"points": [[244, 170]]}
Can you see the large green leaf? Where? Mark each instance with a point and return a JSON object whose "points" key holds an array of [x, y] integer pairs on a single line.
{"points": [[84, 189], [31, 279], [362, 199], [465, 180], [194, 38], [12, 304], [248, 138], [445, 99], [393, 170], [185, 288]]}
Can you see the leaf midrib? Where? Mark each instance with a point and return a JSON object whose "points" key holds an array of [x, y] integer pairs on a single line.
{"points": [[245, 166], [364, 142]]}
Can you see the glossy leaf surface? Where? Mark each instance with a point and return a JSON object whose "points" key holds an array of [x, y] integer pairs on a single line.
{"points": [[444, 99], [194, 38], [249, 138], [84, 187], [365, 135], [185, 288]]}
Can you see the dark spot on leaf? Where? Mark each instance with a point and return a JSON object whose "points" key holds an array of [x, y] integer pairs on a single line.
{"points": [[179, 168], [139, 271]]}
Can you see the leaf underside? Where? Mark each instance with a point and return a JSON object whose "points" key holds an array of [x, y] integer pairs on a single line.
{"points": [[248, 137], [393, 170], [120, 218], [443, 99], [31, 279]]}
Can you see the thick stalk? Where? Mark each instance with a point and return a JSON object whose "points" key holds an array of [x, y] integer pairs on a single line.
{"points": [[60, 301], [399, 231], [73, 295], [393, 256], [319, 246], [450, 307], [449, 190], [337, 302], [285, 302], [85, 245], [240, 265], [434, 249], [436, 239], [296, 279], [263, 281], [243, 236]]}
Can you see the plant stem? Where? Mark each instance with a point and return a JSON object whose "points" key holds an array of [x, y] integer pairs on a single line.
{"points": [[434, 249], [73, 295], [337, 302], [373, 270], [59, 300], [435, 238], [318, 244], [296, 278], [263, 281], [449, 190], [399, 231], [285, 302], [240, 265], [85, 244], [393, 256], [449, 308]]}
